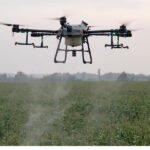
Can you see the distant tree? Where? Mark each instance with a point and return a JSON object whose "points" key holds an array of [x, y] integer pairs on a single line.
{"points": [[123, 77], [3, 77], [21, 76]]}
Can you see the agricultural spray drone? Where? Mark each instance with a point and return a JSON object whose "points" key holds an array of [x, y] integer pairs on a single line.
{"points": [[76, 38]]}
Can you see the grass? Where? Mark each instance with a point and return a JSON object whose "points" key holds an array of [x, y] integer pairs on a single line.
{"points": [[75, 113]]}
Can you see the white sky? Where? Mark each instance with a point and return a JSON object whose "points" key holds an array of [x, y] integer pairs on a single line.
{"points": [[107, 14]]}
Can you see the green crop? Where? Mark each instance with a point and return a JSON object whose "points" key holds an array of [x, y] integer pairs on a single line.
{"points": [[75, 113]]}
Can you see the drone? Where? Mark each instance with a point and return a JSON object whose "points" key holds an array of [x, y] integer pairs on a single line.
{"points": [[75, 36]]}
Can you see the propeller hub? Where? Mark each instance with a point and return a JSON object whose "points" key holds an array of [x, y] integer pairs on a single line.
{"points": [[123, 28], [63, 21]]}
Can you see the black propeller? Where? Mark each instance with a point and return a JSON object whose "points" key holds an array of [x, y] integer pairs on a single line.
{"points": [[123, 27], [10, 25], [58, 18], [6, 24], [63, 20], [125, 24]]}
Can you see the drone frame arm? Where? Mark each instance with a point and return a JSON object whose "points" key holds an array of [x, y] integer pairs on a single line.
{"points": [[45, 32], [34, 33], [101, 32]]}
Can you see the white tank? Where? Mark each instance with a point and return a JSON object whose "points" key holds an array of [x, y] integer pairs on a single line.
{"points": [[73, 41]]}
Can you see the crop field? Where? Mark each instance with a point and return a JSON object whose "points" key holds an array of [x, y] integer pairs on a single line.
{"points": [[74, 113]]}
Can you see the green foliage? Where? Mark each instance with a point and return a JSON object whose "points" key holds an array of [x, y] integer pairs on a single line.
{"points": [[75, 113]]}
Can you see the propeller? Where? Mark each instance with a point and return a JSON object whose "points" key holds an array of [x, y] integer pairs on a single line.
{"points": [[138, 29], [125, 24], [59, 18], [126, 21], [15, 26], [10, 25], [62, 19], [6, 24]]}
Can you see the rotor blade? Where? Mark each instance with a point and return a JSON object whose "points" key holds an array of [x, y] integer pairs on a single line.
{"points": [[127, 22], [139, 29], [54, 19], [9, 24], [58, 18], [6, 24]]}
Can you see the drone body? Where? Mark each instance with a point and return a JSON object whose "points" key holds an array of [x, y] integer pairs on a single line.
{"points": [[76, 38], [73, 37]]}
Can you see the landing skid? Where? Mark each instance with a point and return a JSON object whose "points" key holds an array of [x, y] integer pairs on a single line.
{"points": [[117, 45]]}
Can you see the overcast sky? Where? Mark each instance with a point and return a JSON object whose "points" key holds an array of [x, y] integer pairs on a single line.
{"points": [[107, 14]]}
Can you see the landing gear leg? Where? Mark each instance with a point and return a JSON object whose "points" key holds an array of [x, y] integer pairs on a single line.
{"points": [[85, 41], [60, 50]]}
